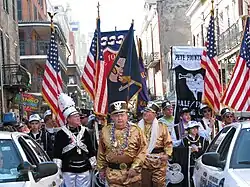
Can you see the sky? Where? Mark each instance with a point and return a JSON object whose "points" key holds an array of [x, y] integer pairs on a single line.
{"points": [[113, 13]]}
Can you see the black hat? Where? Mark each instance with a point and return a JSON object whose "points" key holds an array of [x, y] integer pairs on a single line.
{"points": [[153, 107], [118, 107], [184, 110], [166, 104], [225, 111], [85, 112]]}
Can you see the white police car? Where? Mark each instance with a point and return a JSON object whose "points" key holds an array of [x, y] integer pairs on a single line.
{"points": [[226, 162], [24, 163]]}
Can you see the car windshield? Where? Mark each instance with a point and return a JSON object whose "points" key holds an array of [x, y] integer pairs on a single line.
{"points": [[241, 156], [9, 161]]}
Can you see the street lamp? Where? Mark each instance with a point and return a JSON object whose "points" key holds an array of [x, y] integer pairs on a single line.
{"points": [[19, 76]]}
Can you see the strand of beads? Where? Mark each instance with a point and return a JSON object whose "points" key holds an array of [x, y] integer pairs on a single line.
{"points": [[125, 136]]}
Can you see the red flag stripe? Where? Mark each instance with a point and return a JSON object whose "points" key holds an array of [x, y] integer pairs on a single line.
{"points": [[235, 81]]}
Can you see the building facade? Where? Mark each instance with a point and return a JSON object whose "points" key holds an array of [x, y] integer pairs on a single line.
{"points": [[34, 38], [14, 77], [174, 30], [151, 50], [228, 29]]}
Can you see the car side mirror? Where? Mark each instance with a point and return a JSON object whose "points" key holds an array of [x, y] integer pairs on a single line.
{"points": [[25, 167], [46, 169], [212, 159]]}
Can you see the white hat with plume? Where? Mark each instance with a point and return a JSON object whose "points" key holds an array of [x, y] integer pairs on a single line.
{"points": [[66, 105]]}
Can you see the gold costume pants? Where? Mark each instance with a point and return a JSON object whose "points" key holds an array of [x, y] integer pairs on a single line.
{"points": [[154, 177], [135, 184]]}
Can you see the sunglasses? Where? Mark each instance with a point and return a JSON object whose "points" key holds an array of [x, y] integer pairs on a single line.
{"points": [[229, 116]]}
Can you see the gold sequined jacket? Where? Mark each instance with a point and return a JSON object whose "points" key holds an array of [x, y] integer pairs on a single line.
{"points": [[110, 152], [163, 141]]}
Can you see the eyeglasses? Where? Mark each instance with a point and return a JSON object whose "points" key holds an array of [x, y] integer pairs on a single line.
{"points": [[229, 116]]}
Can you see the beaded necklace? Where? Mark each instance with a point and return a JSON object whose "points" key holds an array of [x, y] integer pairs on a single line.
{"points": [[125, 136]]}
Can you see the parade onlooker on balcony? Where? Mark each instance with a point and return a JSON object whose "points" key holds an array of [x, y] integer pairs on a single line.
{"points": [[41, 136]]}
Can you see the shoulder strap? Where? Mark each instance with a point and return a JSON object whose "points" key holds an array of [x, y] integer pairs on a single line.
{"points": [[203, 124]]}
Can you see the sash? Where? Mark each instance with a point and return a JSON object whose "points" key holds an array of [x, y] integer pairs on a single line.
{"points": [[76, 140], [154, 134]]}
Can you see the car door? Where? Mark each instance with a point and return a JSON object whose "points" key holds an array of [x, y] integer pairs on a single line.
{"points": [[38, 155], [202, 172]]}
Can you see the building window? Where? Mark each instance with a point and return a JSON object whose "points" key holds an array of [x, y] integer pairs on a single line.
{"points": [[19, 10], [5, 6], [8, 49], [2, 46], [13, 9], [35, 13]]}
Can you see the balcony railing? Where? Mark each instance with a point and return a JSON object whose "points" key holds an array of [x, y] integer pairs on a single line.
{"points": [[230, 38], [15, 77], [40, 47]]}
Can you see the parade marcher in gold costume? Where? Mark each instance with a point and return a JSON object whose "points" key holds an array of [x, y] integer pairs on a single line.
{"points": [[159, 148], [122, 149]]}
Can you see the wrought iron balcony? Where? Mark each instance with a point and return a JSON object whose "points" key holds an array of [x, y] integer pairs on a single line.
{"points": [[15, 77], [230, 38], [40, 47]]}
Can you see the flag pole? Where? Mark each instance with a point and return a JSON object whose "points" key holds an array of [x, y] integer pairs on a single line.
{"points": [[98, 9], [130, 66]]}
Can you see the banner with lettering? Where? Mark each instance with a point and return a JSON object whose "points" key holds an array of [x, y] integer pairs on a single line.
{"points": [[31, 103], [111, 42], [189, 77]]}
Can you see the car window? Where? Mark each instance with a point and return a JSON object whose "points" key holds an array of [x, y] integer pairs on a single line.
{"points": [[224, 146], [218, 139], [32, 158], [240, 156], [39, 152], [10, 159]]}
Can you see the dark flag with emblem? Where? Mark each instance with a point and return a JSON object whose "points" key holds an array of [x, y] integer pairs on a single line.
{"points": [[124, 80], [143, 97]]}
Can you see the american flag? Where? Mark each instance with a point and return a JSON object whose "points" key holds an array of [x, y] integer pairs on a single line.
{"points": [[94, 78], [237, 94], [209, 62], [52, 80]]}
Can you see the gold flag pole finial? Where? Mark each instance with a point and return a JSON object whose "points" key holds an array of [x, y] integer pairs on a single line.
{"points": [[51, 15], [212, 10], [98, 9]]}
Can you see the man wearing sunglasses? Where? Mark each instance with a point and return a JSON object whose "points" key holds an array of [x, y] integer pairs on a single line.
{"points": [[227, 117], [208, 124]]}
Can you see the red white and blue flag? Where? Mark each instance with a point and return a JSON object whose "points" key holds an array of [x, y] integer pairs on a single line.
{"points": [[237, 94], [52, 80], [209, 62], [94, 77]]}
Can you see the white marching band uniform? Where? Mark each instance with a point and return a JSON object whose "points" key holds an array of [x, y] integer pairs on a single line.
{"points": [[73, 150]]}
